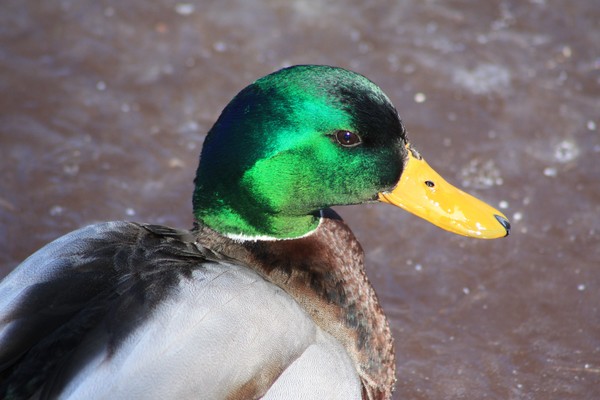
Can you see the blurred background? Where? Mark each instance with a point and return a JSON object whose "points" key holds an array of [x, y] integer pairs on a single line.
{"points": [[105, 105]]}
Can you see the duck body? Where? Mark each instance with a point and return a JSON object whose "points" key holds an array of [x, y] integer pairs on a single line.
{"points": [[267, 296], [121, 302]]}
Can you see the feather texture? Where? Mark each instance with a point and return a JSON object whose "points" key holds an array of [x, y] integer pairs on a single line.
{"points": [[117, 303]]}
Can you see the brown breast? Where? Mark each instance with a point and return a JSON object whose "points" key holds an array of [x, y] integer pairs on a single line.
{"points": [[324, 272]]}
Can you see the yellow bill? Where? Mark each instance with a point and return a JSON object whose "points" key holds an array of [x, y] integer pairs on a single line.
{"points": [[423, 192]]}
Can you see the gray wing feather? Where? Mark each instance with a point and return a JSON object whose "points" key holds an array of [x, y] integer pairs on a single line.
{"points": [[113, 273]]}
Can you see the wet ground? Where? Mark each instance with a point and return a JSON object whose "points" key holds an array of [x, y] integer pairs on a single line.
{"points": [[105, 104]]}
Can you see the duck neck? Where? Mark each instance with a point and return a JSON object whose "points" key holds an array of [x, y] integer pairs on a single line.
{"points": [[324, 273], [249, 224]]}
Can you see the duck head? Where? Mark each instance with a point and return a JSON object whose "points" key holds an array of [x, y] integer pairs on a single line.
{"points": [[309, 137]]}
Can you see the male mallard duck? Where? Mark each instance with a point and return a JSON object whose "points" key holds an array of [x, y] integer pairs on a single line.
{"points": [[266, 297]]}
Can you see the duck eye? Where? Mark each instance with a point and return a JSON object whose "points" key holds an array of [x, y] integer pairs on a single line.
{"points": [[429, 183], [347, 138]]}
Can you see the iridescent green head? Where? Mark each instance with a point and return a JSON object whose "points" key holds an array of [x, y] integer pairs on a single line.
{"points": [[294, 142]]}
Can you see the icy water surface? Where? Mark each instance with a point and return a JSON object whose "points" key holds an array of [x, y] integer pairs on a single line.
{"points": [[105, 105]]}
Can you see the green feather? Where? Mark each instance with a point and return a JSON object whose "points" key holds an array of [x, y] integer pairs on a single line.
{"points": [[272, 161]]}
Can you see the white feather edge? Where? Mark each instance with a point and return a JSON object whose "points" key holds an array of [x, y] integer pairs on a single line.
{"points": [[238, 237]]}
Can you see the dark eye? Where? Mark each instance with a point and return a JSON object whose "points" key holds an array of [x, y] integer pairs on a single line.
{"points": [[347, 138], [429, 184]]}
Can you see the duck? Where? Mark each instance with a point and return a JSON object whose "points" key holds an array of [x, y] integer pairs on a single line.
{"points": [[266, 296]]}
